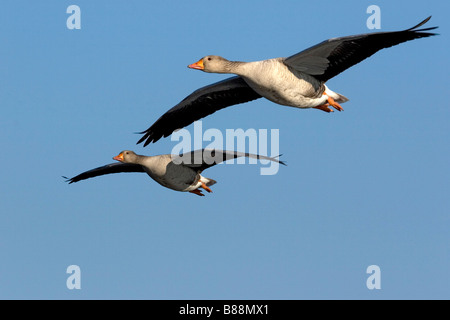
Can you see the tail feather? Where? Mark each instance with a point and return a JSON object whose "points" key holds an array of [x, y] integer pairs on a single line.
{"points": [[341, 98], [210, 182], [207, 181]]}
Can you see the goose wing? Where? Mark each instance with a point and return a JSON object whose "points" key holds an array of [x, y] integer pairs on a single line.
{"points": [[200, 104], [206, 158], [329, 58], [107, 169]]}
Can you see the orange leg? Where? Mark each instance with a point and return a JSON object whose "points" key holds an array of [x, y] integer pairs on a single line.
{"points": [[334, 104], [204, 186], [197, 192], [324, 107]]}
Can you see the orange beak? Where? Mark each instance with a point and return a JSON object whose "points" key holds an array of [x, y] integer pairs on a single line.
{"points": [[198, 65], [119, 157]]}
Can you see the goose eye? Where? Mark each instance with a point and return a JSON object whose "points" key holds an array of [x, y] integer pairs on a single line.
{"points": [[209, 58]]}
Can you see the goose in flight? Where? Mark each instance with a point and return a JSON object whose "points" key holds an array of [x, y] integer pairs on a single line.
{"points": [[297, 81], [176, 172]]}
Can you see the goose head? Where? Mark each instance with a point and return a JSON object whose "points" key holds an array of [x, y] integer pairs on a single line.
{"points": [[127, 156], [215, 64]]}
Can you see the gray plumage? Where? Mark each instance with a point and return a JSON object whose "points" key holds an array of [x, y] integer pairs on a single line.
{"points": [[296, 81], [177, 172]]}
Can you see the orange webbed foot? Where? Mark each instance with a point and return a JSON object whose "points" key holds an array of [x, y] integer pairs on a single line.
{"points": [[324, 107], [197, 192], [334, 104], [204, 186]]}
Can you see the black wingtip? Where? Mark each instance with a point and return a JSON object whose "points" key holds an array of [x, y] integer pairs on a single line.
{"points": [[282, 162], [147, 142], [141, 139], [147, 138], [146, 135], [421, 24], [68, 180]]}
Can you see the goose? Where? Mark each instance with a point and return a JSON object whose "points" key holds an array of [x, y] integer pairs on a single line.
{"points": [[176, 172], [297, 81]]}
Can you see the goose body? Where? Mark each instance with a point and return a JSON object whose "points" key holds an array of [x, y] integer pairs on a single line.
{"points": [[296, 81], [163, 171], [274, 80], [176, 172]]}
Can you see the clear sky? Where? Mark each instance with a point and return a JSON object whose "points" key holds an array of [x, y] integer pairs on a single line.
{"points": [[367, 186]]}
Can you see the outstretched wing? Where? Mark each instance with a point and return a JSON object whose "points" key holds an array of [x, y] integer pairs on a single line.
{"points": [[205, 158], [329, 58], [109, 168], [200, 104]]}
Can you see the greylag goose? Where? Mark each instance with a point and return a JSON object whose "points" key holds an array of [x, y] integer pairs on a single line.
{"points": [[176, 172], [297, 81]]}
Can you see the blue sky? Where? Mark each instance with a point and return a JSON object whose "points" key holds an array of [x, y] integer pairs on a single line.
{"points": [[367, 186]]}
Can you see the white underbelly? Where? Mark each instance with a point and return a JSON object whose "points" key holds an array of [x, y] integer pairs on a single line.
{"points": [[296, 93]]}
